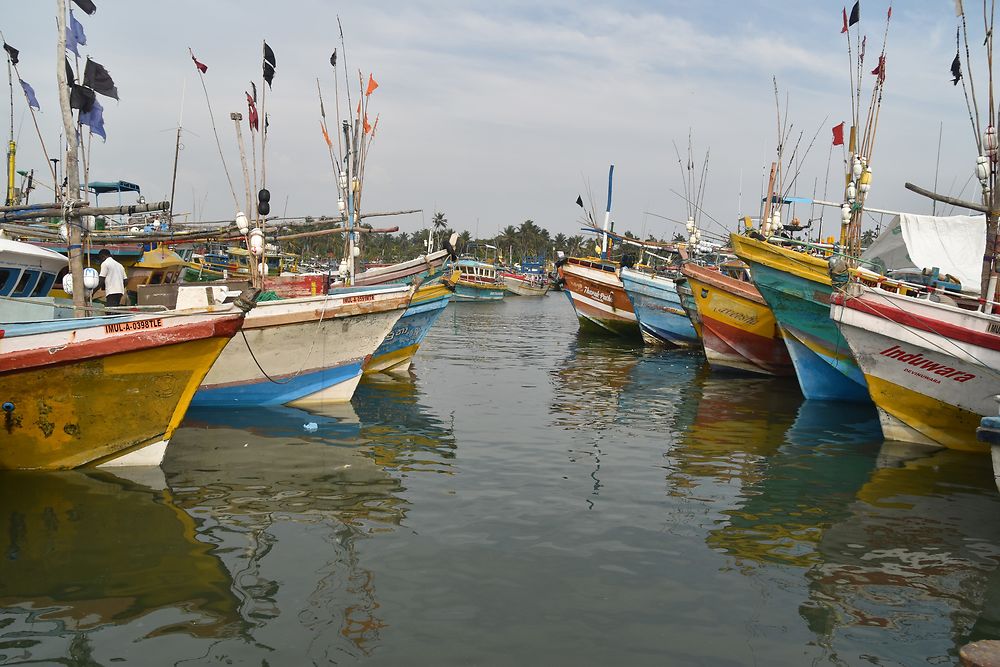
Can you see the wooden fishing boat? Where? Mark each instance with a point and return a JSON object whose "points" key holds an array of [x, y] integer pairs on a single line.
{"points": [[797, 288], [27, 270], [598, 295], [157, 266], [304, 350], [476, 281], [930, 365], [525, 284], [657, 306], [739, 332], [396, 352], [104, 390], [688, 304]]}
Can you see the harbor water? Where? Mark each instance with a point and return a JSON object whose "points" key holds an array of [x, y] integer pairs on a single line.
{"points": [[529, 495]]}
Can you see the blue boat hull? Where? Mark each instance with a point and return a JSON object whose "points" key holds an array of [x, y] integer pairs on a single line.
{"points": [[465, 292], [658, 308], [283, 391], [402, 343]]}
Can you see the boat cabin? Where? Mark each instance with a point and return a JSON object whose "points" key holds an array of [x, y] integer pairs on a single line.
{"points": [[27, 270]]}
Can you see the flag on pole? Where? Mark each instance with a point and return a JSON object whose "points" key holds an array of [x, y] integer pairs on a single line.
{"points": [[844, 29], [958, 8], [372, 85], [326, 136], [202, 67], [86, 5], [333, 58], [879, 70], [11, 53], [956, 69], [29, 93], [579, 199], [366, 127], [94, 119], [855, 13], [252, 112], [269, 64], [838, 135], [95, 76], [74, 34]]}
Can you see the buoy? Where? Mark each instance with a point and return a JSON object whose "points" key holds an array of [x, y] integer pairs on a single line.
{"points": [[242, 223], [91, 278]]}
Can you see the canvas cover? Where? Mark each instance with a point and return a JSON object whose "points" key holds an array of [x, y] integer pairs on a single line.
{"points": [[955, 244]]}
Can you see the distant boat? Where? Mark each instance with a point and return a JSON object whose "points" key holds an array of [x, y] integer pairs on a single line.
{"points": [[658, 308], [739, 331], [476, 281], [527, 278], [98, 390]]}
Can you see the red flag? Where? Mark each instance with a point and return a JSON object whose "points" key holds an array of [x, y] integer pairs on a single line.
{"points": [[372, 85], [367, 127], [325, 135], [202, 67], [879, 70], [252, 113], [838, 135], [359, 107], [844, 29]]}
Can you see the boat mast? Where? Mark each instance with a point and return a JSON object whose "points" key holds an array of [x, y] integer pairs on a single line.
{"points": [[11, 146], [74, 234], [607, 215]]}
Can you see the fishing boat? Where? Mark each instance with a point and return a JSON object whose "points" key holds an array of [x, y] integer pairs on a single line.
{"points": [[474, 280], [158, 265], [593, 286], [738, 330], [658, 308], [104, 390], [688, 304], [525, 284], [396, 352], [304, 350], [27, 270]]}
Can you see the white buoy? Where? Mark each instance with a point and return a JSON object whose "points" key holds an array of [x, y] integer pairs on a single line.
{"points": [[91, 278]]}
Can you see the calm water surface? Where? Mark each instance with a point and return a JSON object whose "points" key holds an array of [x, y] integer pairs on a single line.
{"points": [[528, 496]]}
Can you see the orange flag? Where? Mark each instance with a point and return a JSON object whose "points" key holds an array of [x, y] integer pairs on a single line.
{"points": [[325, 135], [372, 85], [368, 128]]}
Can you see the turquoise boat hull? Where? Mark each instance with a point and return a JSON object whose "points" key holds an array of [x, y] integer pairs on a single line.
{"points": [[823, 362], [398, 348], [658, 308], [465, 292]]}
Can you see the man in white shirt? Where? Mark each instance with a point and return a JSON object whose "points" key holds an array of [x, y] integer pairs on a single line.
{"points": [[112, 279]]}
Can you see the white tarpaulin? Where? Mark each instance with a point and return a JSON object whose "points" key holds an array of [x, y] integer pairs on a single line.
{"points": [[954, 244]]}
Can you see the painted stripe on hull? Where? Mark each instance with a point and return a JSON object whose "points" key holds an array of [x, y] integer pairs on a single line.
{"points": [[600, 301], [658, 308], [734, 347], [467, 292], [285, 390], [819, 377]]}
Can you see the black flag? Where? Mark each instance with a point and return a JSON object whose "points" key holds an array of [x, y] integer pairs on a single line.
{"points": [[253, 87], [81, 97], [956, 69], [86, 5], [579, 201], [333, 58], [96, 77], [70, 78], [11, 52], [855, 13], [269, 64]]}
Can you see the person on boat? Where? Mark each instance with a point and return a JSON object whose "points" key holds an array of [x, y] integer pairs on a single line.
{"points": [[112, 279]]}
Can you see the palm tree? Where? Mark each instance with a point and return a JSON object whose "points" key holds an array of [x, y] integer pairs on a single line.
{"points": [[464, 239], [439, 222]]}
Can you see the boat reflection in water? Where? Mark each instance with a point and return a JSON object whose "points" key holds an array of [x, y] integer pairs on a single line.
{"points": [[289, 509], [86, 553], [906, 560]]}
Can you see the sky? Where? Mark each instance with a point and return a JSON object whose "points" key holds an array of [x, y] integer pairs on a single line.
{"points": [[494, 113]]}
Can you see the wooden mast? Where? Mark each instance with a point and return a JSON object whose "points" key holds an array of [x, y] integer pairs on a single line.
{"points": [[75, 236]]}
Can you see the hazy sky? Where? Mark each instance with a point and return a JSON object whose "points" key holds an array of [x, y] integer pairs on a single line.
{"points": [[497, 112]]}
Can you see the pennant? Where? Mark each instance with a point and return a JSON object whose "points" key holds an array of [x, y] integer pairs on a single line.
{"points": [[269, 64], [94, 119], [76, 30], [855, 13], [889, 14], [333, 58], [29, 93], [71, 43], [96, 76], [87, 6], [253, 87], [372, 85], [359, 108], [958, 8], [81, 97], [579, 201], [267, 122], [844, 29], [838, 135], [202, 67], [879, 70], [366, 128], [70, 77], [11, 53], [956, 70], [326, 136], [252, 112]]}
